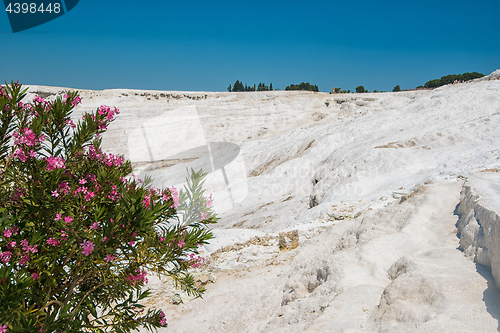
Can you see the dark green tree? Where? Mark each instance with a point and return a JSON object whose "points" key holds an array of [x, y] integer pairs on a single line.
{"points": [[271, 87], [238, 86], [360, 89], [396, 88], [433, 83], [303, 86]]}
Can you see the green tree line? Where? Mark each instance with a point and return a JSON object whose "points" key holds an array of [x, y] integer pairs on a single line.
{"points": [[238, 86], [303, 86], [451, 78]]}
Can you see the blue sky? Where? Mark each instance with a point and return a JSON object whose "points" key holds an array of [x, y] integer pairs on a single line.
{"points": [[207, 45]]}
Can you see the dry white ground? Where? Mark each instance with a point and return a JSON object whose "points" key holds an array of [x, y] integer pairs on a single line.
{"points": [[369, 181]]}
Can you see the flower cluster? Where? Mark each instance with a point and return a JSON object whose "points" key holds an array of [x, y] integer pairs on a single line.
{"points": [[11, 231], [109, 258], [38, 99], [108, 159], [74, 102], [87, 247], [52, 241], [27, 137], [25, 140], [209, 202], [195, 261], [140, 277], [54, 163], [163, 320], [22, 250], [175, 196], [5, 256], [109, 115]]}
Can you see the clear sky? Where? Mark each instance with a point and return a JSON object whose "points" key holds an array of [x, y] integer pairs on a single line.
{"points": [[207, 45]]}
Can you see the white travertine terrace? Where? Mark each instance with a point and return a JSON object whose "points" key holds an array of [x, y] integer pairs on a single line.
{"points": [[370, 181]]}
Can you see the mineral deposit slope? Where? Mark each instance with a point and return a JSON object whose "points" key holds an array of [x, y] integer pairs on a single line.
{"points": [[369, 181]]}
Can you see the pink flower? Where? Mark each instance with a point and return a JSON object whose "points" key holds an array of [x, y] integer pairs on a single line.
{"points": [[32, 248], [175, 196], [88, 247], [203, 216], [52, 241], [3, 328], [7, 233], [195, 261], [139, 277], [68, 219], [89, 196], [209, 202], [82, 181], [55, 194], [28, 248], [94, 226], [76, 101], [71, 123], [146, 202], [19, 153], [24, 259], [38, 99], [64, 188], [55, 163], [181, 243], [109, 258], [5, 256], [163, 320], [58, 217], [113, 195], [35, 276]]}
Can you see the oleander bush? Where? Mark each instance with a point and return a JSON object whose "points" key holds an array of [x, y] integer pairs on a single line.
{"points": [[78, 235]]}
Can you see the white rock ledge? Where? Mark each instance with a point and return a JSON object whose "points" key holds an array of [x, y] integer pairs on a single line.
{"points": [[479, 223]]}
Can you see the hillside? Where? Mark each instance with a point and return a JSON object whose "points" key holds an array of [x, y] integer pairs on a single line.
{"points": [[370, 182]]}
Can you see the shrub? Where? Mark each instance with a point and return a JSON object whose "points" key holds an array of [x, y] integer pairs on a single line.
{"points": [[360, 89], [396, 88], [77, 238], [303, 86]]}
